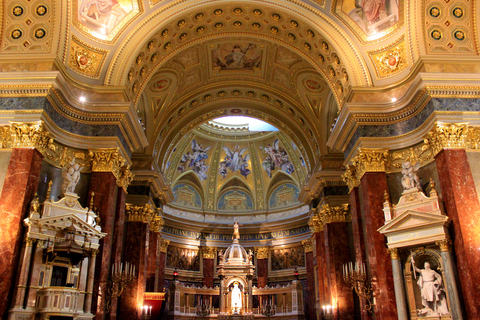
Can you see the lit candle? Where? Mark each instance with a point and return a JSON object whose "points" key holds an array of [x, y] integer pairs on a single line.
{"points": [[150, 311]]}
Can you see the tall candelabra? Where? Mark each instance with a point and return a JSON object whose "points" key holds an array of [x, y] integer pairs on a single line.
{"points": [[122, 276], [269, 309], [356, 277], [203, 309], [146, 313]]}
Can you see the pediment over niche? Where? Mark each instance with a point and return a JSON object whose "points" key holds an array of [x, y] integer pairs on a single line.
{"points": [[415, 228]]}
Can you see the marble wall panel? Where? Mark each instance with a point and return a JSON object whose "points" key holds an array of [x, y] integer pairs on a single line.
{"points": [[4, 159], [474, 161]]}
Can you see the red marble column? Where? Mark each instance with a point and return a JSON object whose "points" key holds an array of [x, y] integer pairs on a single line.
{"points": [[463, 207], [136, 253], [153, 260], [162, 260], [379, 264], [208, 272], [117, 241], [336, 254], [105, 187], [21, 181], [262, 272], [358, 240], [321, 269], [310, 299]]}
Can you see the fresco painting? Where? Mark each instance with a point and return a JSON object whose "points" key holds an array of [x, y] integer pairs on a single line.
{"points": [[185, 195], [276, 158], [183, 259], [372, 16], [235, 200], [237, 56], [195, 160], [287, 258], [284, 196], [236, 159], [103, 16]]}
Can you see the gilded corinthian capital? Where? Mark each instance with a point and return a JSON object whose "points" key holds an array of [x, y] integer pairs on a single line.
{"points": [[30, 135], [208, 252], [366, 160], [110, 160], [447, 136], [330, 214], [143, 214], [262, 252]]}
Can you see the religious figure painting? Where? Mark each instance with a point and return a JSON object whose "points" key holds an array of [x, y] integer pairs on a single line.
{"points": [[195, 160], [183, 258], [288, 258], [372, 16], [276, 158], [235, 160], [237, 56], [103, 16]]}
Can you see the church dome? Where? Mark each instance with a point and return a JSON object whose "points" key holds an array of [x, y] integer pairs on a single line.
{"points": [[236, 254]]}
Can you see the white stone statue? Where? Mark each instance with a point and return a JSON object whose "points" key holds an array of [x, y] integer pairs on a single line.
{"points": [[410, 179], [71, 176], [236, 298], [236, 233], [433, 296]]}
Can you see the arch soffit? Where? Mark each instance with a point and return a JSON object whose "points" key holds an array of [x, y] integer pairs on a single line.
{"points": [[226, 186], [169, 136], [320, 24], [192, 180]]}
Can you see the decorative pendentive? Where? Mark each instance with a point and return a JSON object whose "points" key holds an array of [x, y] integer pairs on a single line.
{"points": [[262, 252], [208, 252], [85, 59], [391, 60]]}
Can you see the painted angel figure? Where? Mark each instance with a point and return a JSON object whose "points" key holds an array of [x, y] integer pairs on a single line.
{"points": [[198, 153], [235, 160]]}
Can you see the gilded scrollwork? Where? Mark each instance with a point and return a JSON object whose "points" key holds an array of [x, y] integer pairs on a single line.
{"points": [[163, 245], [447, 136], [262, 252], [30, 135], [328, 214], [143, 214], [208, 252], [110, 160], [307, 245], [390, 60]]}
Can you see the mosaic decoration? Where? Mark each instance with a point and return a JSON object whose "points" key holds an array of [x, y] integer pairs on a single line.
{"points": [[277, 158], [237, 56], [287, 258], [183, 259], [195, 160], [284, 196], [185, 195], [235, 200], [234, 161]]}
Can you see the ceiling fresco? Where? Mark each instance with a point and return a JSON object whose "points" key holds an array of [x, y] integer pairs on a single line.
{"points": [[235, 170]]}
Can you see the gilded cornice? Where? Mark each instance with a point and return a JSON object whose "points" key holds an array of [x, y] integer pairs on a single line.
{"points": [[308, 245], [329, 214], [208, 252], [262, 252], [441, 136], [163, 245]]}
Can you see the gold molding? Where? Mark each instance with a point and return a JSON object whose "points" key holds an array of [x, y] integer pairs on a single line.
{"points": [[163, 245], [307, 245], [110, 160], [144, 214], [445, 245], [208, 252], [26, 135], [262, 252], [394, 253], [329, 214]]}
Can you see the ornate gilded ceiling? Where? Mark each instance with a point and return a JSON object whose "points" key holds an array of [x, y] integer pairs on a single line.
{"points": [[156, 70]]}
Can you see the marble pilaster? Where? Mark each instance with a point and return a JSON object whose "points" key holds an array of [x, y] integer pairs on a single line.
{"points": [[262, 272], [104, 185], [379, 267], [358, 239], [20, 184], [310, 299], [336, 255], [136, 253], [208, 272], [117, 241], [321, 275], [463, 208]]}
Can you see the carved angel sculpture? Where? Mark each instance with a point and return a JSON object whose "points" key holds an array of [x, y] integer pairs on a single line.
{"points": [[410, 179], [71, 176]]}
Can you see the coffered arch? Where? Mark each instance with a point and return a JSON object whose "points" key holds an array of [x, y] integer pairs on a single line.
{"points": [[302, 29]]}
